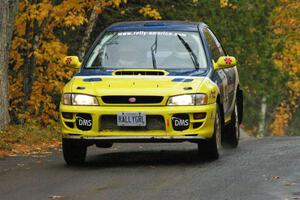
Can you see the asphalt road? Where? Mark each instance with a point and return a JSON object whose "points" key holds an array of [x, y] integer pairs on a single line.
{"points": [[263, 169]]}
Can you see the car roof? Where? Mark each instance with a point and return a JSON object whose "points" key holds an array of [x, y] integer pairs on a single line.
{"points": [[156, 25]]}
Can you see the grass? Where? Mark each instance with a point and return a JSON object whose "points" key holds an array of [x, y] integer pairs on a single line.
{"points": [[25, 139]]}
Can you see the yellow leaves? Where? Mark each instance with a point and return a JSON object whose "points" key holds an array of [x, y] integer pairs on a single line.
{"points": [[20, 21], [225, 3], [148, 11], [294, 85], [36, 41], [39, 11], [117, 3], [278, 31], [282, 117], [286, 27], [252, 29], [99, 6], [74, 20], [47, 51]]}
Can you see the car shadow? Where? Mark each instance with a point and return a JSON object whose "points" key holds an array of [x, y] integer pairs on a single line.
{"points": [[143, 158]]}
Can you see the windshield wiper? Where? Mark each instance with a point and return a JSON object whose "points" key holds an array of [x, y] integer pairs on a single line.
{"points": [[154, 50], [189, 49]]}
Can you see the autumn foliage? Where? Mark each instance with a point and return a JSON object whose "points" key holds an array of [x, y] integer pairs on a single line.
{"points": [[148, 11], [37, 76], [286, 28], [42, 29], [36, 73]]}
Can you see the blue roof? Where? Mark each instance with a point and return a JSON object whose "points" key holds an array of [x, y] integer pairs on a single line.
{"points": [[155, 25]]}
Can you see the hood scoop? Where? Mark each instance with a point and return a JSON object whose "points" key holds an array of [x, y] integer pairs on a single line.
{"points": [[138, 72]]}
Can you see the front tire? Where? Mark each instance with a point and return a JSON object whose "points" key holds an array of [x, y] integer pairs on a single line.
{"points": [[74, 151], [210, 148], [232, 130]]}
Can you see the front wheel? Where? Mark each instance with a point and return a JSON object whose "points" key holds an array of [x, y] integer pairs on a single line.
{"points": [[74, 151], [210, 148], [232, 130]]}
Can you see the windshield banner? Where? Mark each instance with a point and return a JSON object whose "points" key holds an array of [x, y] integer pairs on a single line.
{"points": [[146, 33]]}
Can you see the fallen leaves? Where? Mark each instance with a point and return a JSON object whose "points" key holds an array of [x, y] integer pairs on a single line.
{"points": [[35, 150], [288, 183], [28, 140], [55, 197]]}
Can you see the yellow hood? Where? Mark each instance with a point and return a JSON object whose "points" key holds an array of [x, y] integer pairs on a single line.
{"points": [[133, 85]]}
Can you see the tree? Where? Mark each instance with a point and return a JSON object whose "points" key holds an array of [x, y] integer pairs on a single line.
{"points": [[7, 15], [285, 23], [37, 74], [97, 9]]}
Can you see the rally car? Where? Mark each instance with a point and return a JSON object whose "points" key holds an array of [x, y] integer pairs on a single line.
{"points": [[152, 81]]}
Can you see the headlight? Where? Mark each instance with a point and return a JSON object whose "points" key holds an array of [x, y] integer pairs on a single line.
{"points": [[188, 100], [79, 99]]}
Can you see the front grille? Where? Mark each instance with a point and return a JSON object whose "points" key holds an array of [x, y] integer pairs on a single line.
{"points": [[131, 99], [153, 122]]}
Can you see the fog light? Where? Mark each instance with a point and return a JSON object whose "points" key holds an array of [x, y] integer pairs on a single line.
{"points": [[67, 115], [199, 115]]}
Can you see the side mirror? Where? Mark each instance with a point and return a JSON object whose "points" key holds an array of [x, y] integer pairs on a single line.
{"points": [[225, 62], [72, 61]]}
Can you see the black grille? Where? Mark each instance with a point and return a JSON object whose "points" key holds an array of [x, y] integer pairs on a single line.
{"points": [[131, 99], [153, 122], [145, 73]]}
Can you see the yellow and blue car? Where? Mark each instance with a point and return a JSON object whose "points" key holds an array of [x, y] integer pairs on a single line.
{"points": [[152, 81]]}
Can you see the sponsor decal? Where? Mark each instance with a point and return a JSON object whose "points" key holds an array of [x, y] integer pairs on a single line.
{"points": [[68, 60], [180, 122], [153, 33], [228, 61], [84, 121]]}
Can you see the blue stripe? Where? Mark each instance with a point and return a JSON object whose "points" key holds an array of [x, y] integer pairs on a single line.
{"points": [[172, 72], [154, 25], [182, 80], [92, 79]]}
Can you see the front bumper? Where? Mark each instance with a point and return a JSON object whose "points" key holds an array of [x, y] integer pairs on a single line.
{"points": [[139, 139], [202, 131]]}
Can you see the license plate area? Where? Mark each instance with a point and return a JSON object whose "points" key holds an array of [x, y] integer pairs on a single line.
{"points": [[131, 119]]}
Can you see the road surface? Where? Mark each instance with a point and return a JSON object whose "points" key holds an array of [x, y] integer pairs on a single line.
{"points": [[264, 169]]}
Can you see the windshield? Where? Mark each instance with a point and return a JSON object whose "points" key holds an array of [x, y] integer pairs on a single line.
{"points": [[149, 50]]}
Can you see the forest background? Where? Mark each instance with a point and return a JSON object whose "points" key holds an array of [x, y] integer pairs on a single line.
{"points": [[36, 34]]}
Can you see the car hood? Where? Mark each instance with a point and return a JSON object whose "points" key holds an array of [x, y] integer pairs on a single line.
{"points": [[135, 85]]}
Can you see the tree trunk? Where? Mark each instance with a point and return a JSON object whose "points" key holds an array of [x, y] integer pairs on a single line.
{"points": [[33, 36], [261, 127], [8, 11], [90, 26]]}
